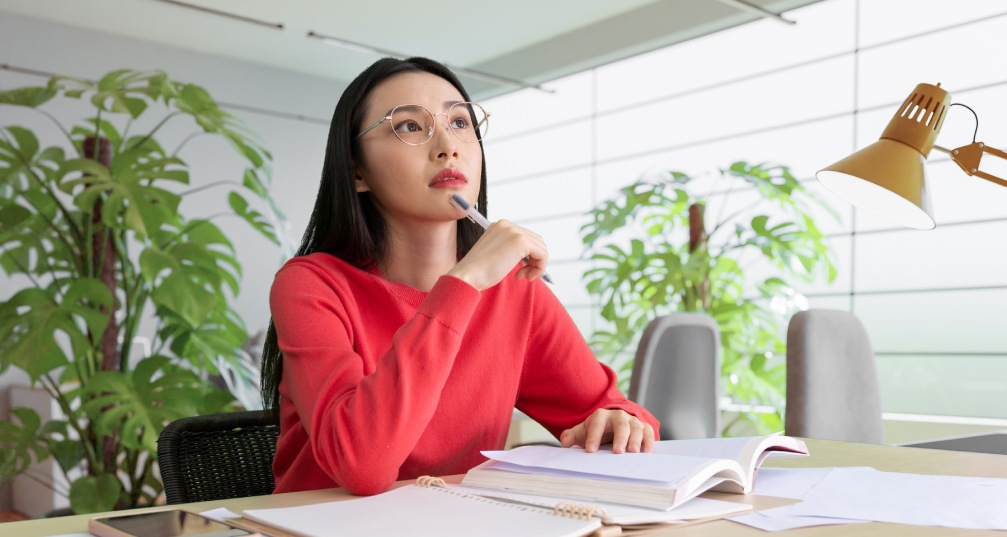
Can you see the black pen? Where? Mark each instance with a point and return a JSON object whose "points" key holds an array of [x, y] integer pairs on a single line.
{"points": [[478, 218]]}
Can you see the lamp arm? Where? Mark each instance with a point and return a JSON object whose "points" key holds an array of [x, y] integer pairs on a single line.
{"points": [[967, 158]]}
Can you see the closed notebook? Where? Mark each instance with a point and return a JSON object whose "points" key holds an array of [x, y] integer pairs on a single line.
{"points": [[427, 508], [677, 471]]}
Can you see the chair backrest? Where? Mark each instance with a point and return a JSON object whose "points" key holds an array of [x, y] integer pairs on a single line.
{"points": [[218, 456], [676, 375], [832, 381]]}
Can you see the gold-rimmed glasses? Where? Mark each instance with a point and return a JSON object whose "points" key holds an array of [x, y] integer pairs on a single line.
{"points": [[413, 124]]}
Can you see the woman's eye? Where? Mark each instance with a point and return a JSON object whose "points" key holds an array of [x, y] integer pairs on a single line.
{"points": [[408, 126], [459, 123]]}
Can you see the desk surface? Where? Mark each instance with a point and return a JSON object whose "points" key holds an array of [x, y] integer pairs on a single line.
{"points": [[823, 453]]}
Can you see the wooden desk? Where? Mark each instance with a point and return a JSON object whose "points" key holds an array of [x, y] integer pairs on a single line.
{"points": [[823, 453]]}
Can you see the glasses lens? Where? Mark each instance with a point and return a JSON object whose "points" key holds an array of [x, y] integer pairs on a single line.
{"points": [[469, 121], [412, 124]]}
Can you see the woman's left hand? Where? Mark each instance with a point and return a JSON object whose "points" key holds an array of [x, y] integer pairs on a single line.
{"points": [[626, 432]]}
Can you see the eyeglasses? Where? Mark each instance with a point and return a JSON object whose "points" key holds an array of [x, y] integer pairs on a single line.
{"points": [[414, 125]]}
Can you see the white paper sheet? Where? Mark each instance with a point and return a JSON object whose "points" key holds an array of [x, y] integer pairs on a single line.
{"points": [[220, 514], [792, 483], [927, 500], [769, 521]]}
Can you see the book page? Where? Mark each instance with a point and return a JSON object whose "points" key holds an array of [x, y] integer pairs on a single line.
{"points": [[748, 451], [422, 512], [663, 468]]}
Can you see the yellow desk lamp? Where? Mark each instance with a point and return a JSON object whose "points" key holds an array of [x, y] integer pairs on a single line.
{"points": [[888, 178]]}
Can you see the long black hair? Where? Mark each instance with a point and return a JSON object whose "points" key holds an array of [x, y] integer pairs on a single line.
{"points": [[345, 223]]}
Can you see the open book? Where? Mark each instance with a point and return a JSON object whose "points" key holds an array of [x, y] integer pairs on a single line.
{"points": [[432, 508], [677, 471]]}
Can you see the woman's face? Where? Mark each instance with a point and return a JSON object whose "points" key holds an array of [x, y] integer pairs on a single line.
{"points": [[413, 183]]}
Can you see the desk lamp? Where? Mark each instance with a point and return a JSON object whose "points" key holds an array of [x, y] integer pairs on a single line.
{"points": [[888, 179]]}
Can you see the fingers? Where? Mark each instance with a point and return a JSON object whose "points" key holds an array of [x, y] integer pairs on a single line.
{"points": [[627, 433], [648, 439], [495, 254], [596, 427]]}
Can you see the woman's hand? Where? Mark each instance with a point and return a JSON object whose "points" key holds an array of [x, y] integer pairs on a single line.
{"points": [[626, 432], [494, 255]]}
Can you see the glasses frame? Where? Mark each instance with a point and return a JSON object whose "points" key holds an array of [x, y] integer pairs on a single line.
{"points": [[433, 123]]}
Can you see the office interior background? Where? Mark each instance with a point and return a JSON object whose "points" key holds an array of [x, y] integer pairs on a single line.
{"points": [[934, 302]]}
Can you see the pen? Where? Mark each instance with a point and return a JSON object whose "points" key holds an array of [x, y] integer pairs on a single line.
{"points": [[478, 218]]}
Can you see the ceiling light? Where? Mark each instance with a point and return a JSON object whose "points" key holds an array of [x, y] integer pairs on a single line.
{"points": [[360, 47], [242, 18]]}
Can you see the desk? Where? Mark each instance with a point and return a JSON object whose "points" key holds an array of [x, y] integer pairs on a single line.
{"points": [[823, 453], [995, 442]]}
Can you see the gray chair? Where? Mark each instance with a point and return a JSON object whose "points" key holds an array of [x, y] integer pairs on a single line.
{"points": [[832, 381], [676, 375]]}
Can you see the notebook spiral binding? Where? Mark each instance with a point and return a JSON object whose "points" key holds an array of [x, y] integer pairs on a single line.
{"points": [[576, 510], [427, 481], [564, 509]]}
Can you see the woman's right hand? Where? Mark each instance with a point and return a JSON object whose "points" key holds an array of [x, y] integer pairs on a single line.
{"points": [[494, 255]]}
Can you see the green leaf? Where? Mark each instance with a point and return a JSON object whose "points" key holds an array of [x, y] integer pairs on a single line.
{"points": [[68, 453], [30, 96], [31, 320], [127, 204], [139, 404], [256, 219], [20, 445], [95, 494]]}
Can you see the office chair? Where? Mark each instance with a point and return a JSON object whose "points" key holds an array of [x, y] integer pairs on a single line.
{"points": [[832, 381], [676, 375], [218, 456]]}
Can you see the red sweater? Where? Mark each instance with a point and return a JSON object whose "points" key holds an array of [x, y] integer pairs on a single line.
{"points": [[382, 381]]}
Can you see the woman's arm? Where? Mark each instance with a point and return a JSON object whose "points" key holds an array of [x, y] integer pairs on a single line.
{"points": [[363, 419], [567, 390]]}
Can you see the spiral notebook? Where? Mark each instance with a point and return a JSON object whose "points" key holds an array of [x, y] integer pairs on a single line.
{"points": [[428, 508]]}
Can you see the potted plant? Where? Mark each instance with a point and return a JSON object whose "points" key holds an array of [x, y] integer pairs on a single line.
{"points": [[655, 250], [94, 226]]}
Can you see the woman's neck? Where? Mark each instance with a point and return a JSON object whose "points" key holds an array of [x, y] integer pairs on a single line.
{"points": [[419, 255]]}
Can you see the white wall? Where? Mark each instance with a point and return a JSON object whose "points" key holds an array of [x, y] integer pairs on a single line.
{"points": [[934, 302], [297, 145]]}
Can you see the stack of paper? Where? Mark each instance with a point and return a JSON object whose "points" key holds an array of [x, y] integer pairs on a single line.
{"points": [[847, 495]]}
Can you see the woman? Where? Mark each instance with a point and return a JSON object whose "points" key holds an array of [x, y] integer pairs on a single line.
{"points": [[408, 334]]}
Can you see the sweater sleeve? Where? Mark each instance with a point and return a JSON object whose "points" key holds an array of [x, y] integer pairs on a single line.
{"points": [[363, 424], [562, 381]]}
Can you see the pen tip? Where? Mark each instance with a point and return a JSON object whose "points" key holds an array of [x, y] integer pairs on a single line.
{"points": [[460, 201]]}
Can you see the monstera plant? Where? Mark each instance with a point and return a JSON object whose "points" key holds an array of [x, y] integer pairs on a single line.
{"points": [[655, 249], [94, 240]]}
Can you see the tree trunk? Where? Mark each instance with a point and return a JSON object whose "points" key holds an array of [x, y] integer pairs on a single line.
{"points": [[697, 246], [104, 256]]}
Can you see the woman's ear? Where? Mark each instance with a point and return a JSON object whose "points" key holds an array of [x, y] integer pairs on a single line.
{"points": [[359, 180]]}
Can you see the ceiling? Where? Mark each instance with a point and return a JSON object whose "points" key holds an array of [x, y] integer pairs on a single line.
{"points": [[533, 41]]}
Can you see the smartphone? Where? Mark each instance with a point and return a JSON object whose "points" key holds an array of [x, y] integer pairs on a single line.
{"points": [[172, 523]]}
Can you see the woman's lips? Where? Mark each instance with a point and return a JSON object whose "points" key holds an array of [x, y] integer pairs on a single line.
{"points": [[449, 178]]}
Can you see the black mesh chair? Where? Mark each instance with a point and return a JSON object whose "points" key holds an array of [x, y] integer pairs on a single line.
{"points": [[218, 456]]}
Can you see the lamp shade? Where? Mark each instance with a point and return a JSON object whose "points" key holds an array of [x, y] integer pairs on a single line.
{"points": [[888, 177]]}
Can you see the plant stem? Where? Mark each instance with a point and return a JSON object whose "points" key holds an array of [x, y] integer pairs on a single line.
{"points": [[66, 214], [58, 124], [50, 386], [736, 213], [151, 133], [181, 145], [211, 185]]}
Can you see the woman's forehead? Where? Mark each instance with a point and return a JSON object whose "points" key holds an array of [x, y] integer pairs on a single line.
{"points": [[422, 88]]}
